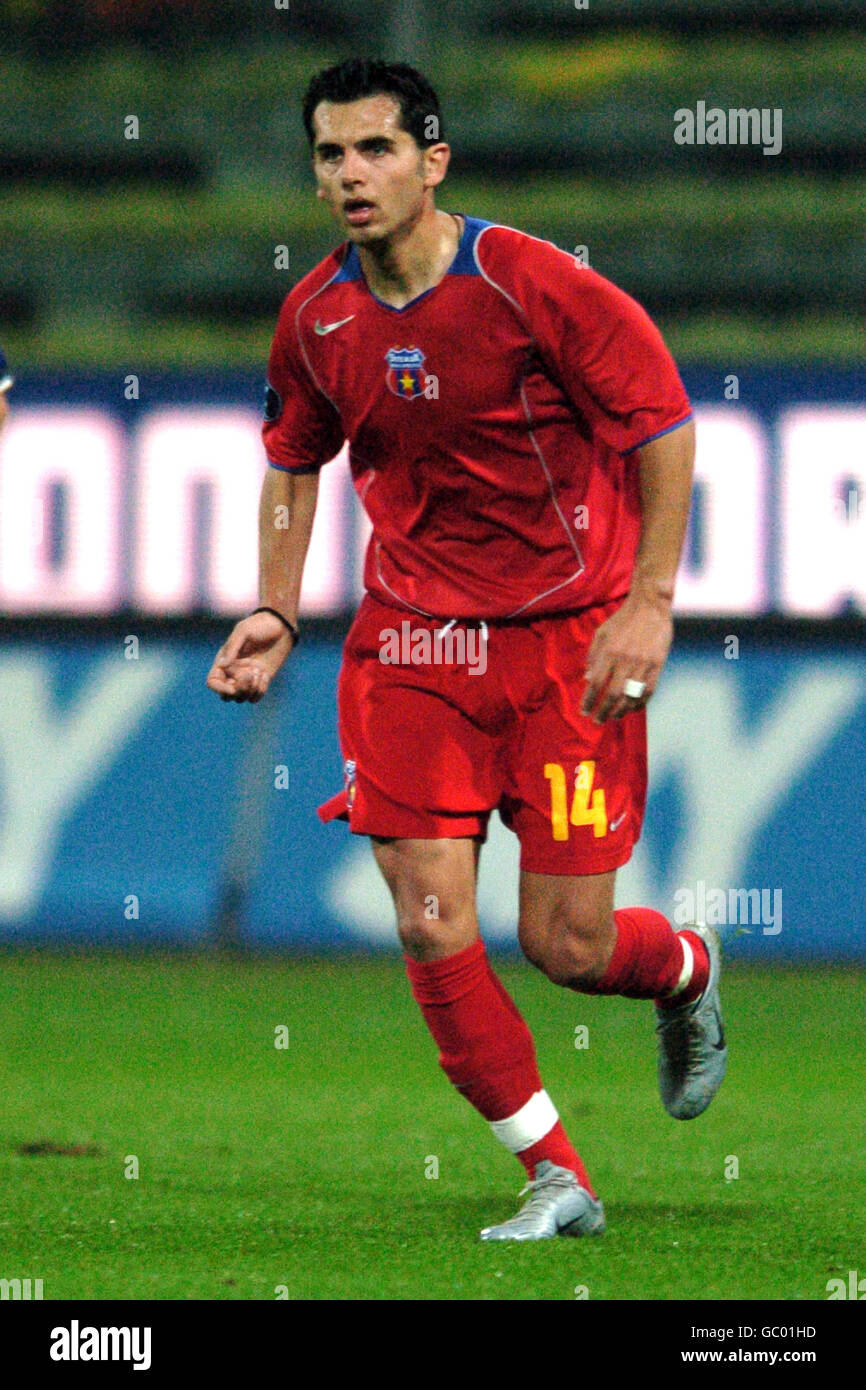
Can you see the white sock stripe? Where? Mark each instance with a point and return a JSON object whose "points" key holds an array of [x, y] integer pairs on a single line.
{"points": [[688, 966], [531, 1122]]}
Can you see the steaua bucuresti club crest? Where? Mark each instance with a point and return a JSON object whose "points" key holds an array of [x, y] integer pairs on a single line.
{"points": [[406, 375], [349, 778]]}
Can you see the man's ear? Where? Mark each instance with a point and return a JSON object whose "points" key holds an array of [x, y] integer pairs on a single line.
{"points": [[436, 160]]}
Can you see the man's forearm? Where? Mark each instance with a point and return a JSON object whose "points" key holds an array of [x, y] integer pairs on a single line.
{"points": [[666, 471], [286, 512]]}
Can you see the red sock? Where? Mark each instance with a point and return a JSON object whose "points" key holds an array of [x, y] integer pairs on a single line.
{"points": [[700, 975], [648, 960], [486, 1050]]}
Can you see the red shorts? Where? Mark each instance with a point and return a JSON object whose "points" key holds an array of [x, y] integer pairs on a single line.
{"points": [[449, 728]]}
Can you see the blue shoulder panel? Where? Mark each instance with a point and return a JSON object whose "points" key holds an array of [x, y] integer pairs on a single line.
{"points": [[350, 269], [464, 261]]}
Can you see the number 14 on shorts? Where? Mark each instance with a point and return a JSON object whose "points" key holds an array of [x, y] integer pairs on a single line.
{"points": [[587, 806]]}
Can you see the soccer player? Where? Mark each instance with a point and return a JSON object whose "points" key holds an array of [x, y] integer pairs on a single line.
{"points": [[523, 445], [6, 380]]}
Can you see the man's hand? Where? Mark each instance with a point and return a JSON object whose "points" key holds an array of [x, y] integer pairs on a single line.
{"points": [[632, 644], [247, 663]]}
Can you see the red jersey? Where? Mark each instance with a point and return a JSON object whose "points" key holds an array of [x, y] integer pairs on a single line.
{"points": [[491, 423]]}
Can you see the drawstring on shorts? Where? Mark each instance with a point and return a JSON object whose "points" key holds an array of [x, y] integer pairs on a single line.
{"points": [[483, 628]]}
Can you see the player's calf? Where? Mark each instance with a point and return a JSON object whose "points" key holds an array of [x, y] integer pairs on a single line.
{"points": [[566, 927], [570, 930], [572, 960], [571, 947], [647, 960]]}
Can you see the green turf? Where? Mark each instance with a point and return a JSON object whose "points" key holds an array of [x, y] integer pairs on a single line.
{"points": [[305, 1167]]}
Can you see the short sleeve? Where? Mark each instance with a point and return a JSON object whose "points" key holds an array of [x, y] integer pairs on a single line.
{"points": [[302, 429], [608, 355]]}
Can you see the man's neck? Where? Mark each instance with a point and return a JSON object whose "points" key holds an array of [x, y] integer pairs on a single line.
{"points": [[402, 269]]}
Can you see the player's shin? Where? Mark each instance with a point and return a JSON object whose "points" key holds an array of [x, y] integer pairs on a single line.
{"points": [[486, 1050]]}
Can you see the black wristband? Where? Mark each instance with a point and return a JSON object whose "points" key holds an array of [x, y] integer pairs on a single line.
{"points": [[296, 636]]}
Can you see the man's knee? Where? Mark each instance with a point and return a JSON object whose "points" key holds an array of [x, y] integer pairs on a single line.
{"points": [[431, 937], [572, 948], [434, 897]]}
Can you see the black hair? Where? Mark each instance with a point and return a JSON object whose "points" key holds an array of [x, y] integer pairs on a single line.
{"points": [[367, 77]]}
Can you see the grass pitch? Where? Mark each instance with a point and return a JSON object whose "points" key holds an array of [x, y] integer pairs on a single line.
{"points": [[308, 1169]]}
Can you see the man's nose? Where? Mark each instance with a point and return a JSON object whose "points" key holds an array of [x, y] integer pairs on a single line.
{"points": [[353, 167]]}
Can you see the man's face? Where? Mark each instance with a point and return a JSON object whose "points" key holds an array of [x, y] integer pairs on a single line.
{"points": [[369, 170]]}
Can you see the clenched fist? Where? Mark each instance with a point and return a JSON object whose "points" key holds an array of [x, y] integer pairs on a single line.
{"points": [[246, 664]]}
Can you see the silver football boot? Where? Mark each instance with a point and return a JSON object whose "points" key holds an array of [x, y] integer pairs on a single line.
{"points": [[558, 1206], [692, 1051]]}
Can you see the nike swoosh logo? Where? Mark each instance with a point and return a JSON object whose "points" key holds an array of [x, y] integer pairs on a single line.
{"points": [[323, 328], [616, 823]]}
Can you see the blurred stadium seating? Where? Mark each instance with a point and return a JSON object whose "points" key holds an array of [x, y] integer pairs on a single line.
{"points": [[561, 121]]}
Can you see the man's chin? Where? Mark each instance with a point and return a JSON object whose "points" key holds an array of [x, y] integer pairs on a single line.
{"points": [[363, 236]]}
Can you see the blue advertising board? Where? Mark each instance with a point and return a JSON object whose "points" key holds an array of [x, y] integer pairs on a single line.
{"points": [[130, 796]]}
